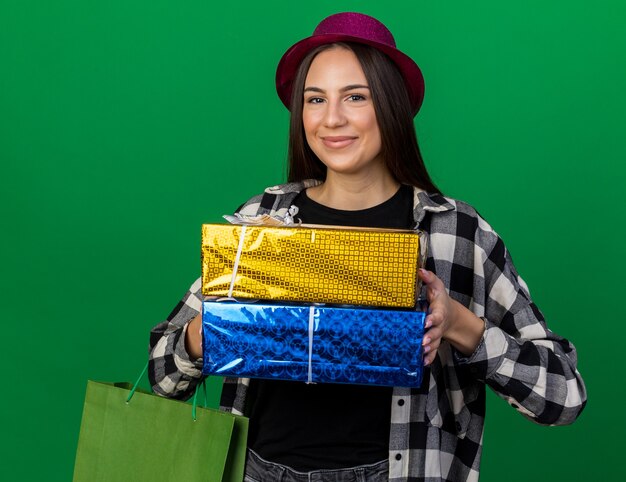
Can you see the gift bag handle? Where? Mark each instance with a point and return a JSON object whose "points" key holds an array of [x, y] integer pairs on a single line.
{"points": [[194, 402]]}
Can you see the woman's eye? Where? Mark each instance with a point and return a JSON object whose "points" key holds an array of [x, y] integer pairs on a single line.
{"points": [[314, 100], [356, 97]]}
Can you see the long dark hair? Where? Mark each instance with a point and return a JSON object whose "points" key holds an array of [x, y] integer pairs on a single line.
{"points": [[399, 147]]}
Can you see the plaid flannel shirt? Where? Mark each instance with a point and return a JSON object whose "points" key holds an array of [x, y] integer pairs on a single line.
{"points": [[436, 430]]}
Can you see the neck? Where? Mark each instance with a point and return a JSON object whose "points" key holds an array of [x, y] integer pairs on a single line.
{"points": [[352, 193]]}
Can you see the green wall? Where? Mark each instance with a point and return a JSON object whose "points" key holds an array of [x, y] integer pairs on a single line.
{"points": [[124, 125]]}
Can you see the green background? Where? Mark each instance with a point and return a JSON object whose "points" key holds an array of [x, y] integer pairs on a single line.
{"points": [[124, 125]]}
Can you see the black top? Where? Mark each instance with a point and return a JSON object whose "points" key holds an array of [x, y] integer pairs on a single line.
{"points": [[327, 426]]}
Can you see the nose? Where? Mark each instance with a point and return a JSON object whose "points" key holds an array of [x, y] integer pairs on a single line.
{"points": [[334, 116]]}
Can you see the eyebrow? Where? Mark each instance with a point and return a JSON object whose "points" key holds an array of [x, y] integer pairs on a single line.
{"points": [[343, 89]]}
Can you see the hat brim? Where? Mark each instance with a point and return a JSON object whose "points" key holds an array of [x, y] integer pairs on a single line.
{"points": [[290, 61]]}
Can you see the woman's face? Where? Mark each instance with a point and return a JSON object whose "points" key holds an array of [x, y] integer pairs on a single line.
{"points": [[338, 114]]}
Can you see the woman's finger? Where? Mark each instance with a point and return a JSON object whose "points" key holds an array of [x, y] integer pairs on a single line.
{"points": [[430, 279], [437, 316], [428, 359]]}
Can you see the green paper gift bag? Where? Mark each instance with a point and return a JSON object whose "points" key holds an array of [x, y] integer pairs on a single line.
{"points": [[128, 434]]}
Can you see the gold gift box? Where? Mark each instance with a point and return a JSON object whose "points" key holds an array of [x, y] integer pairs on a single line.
{"points": [[317, 264]]}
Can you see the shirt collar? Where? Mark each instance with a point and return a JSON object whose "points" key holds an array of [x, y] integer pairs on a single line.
{"points": [[292, 187], [429, 202], [433, 202], [422, 201]]}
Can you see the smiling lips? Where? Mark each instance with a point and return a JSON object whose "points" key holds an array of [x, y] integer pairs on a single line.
{"points": [[337, 142]]}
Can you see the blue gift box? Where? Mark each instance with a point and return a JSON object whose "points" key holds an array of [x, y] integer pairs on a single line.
{"points": [[316, 344]]}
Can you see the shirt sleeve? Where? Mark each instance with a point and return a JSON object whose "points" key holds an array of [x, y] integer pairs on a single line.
{"points": [[526, 364], [171, 371]]}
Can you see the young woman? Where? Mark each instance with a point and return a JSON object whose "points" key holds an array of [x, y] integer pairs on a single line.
{"points": [[354, 160]]}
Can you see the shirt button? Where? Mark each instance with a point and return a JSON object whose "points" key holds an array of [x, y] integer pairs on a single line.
{"points": [[401, 402], [458, 427], [398, 456]]}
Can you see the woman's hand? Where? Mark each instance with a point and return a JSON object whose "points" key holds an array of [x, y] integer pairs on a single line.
{"points": [[438, 320], [193, 338], [448, 320]]}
